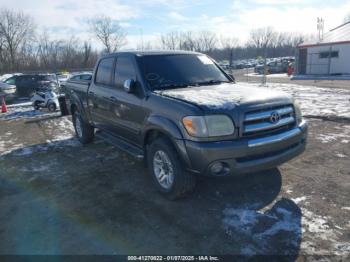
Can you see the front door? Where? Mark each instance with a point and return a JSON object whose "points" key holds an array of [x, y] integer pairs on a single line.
{"points": [[126, 108]]}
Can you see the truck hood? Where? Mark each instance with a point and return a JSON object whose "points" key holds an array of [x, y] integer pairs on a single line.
{"points": [[226, 96]]}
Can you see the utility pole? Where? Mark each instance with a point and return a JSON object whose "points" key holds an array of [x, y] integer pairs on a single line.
{"points": [[320, 28], [263, 82]]}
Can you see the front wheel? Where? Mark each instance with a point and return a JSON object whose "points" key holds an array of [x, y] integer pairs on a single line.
{"points": [[167, 171], [84, 131]]}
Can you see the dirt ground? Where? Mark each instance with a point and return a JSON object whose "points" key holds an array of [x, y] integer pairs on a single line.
{"points": [[59, 197]]}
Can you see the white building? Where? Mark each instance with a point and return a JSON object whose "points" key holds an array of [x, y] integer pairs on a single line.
{"points": [[329, 56]]}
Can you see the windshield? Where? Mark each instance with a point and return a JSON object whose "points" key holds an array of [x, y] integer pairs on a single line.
{"points": [[180, 70]]}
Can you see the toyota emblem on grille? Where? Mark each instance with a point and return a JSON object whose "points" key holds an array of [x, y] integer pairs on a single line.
{"points": [[275, 117]]}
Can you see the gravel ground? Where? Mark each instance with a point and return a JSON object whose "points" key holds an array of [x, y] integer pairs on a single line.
{"points": [[59, 197]]}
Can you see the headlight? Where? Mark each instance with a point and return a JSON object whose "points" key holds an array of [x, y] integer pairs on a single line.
{"points": [[208, 126], [298, 114]]}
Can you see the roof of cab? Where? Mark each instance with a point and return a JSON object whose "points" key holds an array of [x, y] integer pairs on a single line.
{"points": [[160, 52]]}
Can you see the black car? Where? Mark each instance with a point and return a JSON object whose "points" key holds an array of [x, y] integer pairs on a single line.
{"points": [[27, 84]]}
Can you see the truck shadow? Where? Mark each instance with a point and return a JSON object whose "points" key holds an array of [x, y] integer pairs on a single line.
{"points": [[102, 194]]}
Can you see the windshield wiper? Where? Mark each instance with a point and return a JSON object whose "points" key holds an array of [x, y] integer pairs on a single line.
{"points": [[211, 82]]}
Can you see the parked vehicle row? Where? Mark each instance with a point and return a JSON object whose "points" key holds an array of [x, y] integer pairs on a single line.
{"points": [[275, 66], [42, 89]]}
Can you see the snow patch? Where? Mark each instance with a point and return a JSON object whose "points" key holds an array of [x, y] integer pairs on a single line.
{"points": [[316, 224], [341, 155], [265, 228], [268, 76], [344, 135], [60, 134], [316, 101], [299, 199], [23, 111], [223, 96]]}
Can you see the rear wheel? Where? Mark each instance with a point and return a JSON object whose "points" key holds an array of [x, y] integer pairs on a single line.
{"points": [[167, 171], [36, 105], [52, 107], [84, 131]]}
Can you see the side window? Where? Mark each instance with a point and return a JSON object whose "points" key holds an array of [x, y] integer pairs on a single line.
{"points": [[75, 78], [105, 71], [23, 80], [124, 70], [11, 81], [85, 77]]}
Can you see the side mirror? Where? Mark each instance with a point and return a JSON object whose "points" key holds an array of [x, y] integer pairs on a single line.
{"points": [[129, 85]]}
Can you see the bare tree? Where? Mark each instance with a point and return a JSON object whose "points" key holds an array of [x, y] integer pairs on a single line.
{"points": [[15, 28], [189, 41], [171, 40], [261, 38], [203, 41], [207, 41], [229, 44], [108, 32], [87, 53]]}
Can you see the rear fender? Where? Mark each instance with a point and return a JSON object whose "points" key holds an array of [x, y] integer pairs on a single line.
{"points": [[76, 101]]}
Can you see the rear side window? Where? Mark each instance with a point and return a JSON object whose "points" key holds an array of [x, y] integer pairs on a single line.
{"points": [[11, 81], [105, 71], [124, 70]]}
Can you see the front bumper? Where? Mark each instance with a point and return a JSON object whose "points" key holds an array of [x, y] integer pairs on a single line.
{"points": [[247, 155]]}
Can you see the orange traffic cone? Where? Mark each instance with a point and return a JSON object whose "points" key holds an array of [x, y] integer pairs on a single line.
{"points": [[3, 106]]}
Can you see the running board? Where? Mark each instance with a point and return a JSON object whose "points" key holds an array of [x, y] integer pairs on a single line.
{"points": [[121, 144]]}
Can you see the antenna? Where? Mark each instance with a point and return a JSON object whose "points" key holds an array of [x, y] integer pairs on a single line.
{"points": [[320, 28], [141, 34]]}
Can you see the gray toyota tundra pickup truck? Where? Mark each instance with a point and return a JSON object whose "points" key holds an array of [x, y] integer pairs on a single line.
{"points": [[185, 117]]}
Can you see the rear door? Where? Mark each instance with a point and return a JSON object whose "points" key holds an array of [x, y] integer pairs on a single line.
{"points": [[126, 112], [99, 93]]}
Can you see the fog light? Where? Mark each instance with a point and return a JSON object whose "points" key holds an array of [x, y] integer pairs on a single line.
{"points": [[217, 168]]}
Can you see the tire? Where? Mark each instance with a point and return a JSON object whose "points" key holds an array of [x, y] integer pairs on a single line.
{"points": [[52, 107], [84, 131], [36, 105], [182, 182]]}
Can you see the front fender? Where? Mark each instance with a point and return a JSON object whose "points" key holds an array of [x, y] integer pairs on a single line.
{"points": [[169, 128]]}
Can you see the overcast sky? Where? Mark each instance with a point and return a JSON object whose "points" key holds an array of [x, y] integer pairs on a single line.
{"points": [[63, 18]]}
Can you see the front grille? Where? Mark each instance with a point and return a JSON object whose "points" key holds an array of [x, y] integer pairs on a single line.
{"points": [[258, 122]]}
